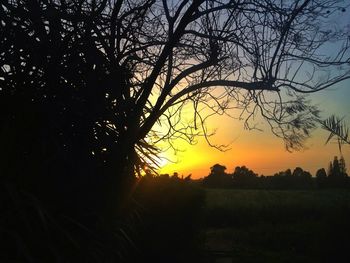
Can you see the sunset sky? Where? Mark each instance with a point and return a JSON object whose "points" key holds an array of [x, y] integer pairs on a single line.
{"points": [[261, 151]]}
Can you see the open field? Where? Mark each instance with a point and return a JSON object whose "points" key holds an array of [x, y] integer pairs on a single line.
{"points": [[278, 226]]}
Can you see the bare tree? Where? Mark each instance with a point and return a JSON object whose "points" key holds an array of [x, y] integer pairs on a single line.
{"points": [[87, 83]]}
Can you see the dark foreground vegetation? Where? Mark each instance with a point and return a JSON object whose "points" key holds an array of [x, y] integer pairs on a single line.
{"points": [[85, 84], [162, 222], [174, 220], [244, 178]]}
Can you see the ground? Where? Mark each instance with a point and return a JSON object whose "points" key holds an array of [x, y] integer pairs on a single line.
{"points": [[277, 226]]}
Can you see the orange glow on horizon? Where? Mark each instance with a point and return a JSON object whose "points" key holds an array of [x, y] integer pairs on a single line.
{"points": [[259, 151]]}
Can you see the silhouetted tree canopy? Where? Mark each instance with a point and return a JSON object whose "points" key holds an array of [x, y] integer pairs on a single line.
{"points": [[337, 176], [217, 170], [244, 177], [242, 171], [217, 177], [85, 85], [342, 166], [337, 168]]}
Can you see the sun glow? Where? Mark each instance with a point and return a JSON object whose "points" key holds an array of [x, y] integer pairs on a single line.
{"points": [[162, 161], [258, 150]]}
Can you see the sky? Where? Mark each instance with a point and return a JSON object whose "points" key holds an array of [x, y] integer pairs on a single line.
{"points": [[261, 151]]}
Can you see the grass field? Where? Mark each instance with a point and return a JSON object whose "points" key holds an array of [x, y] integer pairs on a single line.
{"points": [[278, 226]]}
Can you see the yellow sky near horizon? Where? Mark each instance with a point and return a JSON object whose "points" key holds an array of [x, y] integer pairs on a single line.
{"points": [[261, 151]]}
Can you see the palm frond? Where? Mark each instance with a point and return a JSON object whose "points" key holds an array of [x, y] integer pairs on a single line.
{"points": [[337, 128]]}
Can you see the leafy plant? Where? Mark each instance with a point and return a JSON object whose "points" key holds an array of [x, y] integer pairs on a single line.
{"points": [[337, 128]]}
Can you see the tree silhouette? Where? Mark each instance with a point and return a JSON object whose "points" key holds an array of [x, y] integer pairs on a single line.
{"points": [[217, 170], [342, 166], [217, 177], [337, 175], [298, 172], [83, 84], [330, 169], [243, 172], [335, 170], [288, 172], [244, 177], [298, 179], [321, 178]]}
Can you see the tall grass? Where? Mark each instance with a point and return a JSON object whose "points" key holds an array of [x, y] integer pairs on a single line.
{"points": [[30, 232]]}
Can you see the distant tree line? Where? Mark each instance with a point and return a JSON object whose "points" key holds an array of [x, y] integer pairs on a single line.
{"points": [[243, 178]]}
